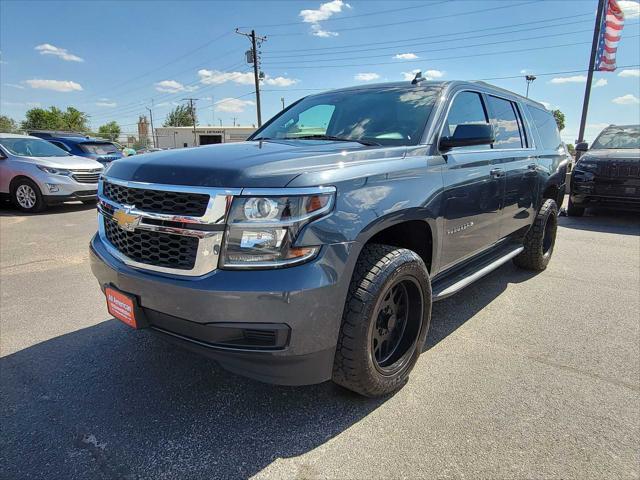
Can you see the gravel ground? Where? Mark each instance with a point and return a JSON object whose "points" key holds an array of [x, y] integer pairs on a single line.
{"points": [[523, 376]]}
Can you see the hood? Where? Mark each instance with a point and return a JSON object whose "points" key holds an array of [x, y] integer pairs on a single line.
{"points": [[269, 164], [72, 162], [613, 154]]}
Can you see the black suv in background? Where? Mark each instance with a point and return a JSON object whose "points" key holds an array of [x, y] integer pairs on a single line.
{"points": [[314, 250], [608, 173]]}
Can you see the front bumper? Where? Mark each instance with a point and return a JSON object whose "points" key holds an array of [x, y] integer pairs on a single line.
{"points": [[590, 190], [302, 305], [61, 188]]}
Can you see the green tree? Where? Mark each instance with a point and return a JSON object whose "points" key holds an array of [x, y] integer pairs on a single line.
{"points": [[181, 116], [74, 120], [559, 116], [7, 125], [71, 119], [109, 130], [572, 149]]}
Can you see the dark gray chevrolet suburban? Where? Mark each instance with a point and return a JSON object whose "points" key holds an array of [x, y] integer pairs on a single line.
{"points": [[314, 250]]}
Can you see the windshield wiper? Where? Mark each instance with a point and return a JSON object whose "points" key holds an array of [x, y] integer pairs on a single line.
{"points": [[333, 138]]}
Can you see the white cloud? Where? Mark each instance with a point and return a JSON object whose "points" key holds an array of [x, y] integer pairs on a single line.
{"points": [[326, 11], [232, 105], [62, 53], [14, 85], [630, 72], [628, 99], [406, 56], [573, 79], [629, 8], [280, 81], [55, 85], [427, 75], [433, 74], [317, 31], [601, 82], [523, 71], [172, 86], [366, 77], [216, 77], [105, 102]]}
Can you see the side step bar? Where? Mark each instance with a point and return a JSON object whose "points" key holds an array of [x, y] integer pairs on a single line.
{"points": [[466, 278]]}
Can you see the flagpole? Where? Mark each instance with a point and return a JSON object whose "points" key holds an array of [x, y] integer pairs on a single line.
{"points": [[592, 61]]}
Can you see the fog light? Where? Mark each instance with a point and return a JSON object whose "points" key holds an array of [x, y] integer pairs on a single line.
{"points": [[52, 187]]}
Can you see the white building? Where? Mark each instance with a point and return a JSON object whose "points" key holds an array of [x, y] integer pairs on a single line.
{"points": [[181, 137]]}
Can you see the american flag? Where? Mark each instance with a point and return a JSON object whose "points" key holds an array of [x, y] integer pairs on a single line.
{"points": [[610, 32]]}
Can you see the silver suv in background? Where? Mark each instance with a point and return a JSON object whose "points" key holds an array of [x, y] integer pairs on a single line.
{"points": [[35, 173]]}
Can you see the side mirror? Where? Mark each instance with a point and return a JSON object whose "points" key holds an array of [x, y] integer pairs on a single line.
{"points": [[469, 134], [582, 147]]}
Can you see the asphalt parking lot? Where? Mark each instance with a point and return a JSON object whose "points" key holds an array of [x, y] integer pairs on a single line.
{"points": [[523, 376]]}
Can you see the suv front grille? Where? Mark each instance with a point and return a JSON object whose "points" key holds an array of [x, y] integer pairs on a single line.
{"points": [[86, 176], [153, 248], [620, 170], [171, 203]]}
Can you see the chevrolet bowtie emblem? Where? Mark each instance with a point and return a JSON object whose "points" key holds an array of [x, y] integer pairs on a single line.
{"points": [[125, 219]]}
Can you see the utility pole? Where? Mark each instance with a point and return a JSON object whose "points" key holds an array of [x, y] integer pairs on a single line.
{"points": [[220, 120], [255, 59], [592, 61], [282, 100], [153, 132], [193, 118], [529, 79], [234, 121], [213, 110]]}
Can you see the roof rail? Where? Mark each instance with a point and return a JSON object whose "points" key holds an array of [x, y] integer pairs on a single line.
{"points": [[55, 133]]}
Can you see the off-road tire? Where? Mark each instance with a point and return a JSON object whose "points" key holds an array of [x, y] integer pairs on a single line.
{"points": [[378, 267], [574, 211], [39, 203], [536, 253]]}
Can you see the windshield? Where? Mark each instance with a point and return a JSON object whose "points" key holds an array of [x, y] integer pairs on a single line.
{"points": [[32, 147], [383, 116], [99, 148], [618, 137]]}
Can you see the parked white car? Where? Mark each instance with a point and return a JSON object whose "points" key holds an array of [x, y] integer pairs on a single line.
{"points": [[35, 173]]}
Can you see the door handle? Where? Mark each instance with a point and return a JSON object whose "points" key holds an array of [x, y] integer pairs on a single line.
{"points": [[496, 173]]}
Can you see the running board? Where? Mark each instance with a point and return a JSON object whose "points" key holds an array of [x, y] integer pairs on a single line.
{"points": [[460, 281]]}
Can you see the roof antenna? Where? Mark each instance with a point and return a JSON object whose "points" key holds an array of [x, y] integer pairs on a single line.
{"points": [[418, 78]]}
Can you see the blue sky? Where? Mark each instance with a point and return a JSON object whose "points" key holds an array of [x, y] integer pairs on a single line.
{"points": [[115, 59]]}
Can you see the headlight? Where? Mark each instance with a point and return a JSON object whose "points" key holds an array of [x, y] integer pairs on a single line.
{"points": [[55, 171], [586, 165], [262, 230]]}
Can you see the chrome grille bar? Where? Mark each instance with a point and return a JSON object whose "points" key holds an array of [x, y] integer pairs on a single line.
{"points": [[209, 238]]}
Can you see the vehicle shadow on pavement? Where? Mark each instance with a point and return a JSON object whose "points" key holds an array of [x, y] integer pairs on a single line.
{"points": [[606, 221], [110, 402], [8, 210], [449, 314]]}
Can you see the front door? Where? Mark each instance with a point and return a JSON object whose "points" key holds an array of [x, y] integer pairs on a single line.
{"points": [[473, 187]]}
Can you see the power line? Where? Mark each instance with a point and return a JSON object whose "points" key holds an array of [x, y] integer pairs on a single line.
{"points": [[405, 62], [492, 33], [349, 17], [426, 19], [386, 55]]}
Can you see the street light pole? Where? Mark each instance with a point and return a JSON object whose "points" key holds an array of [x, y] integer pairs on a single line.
{"points": [[193, 118], [529, 79], [153, 132]]}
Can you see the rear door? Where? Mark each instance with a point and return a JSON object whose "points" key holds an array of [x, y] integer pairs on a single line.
{"points": [[473, 186], [517, 157]]}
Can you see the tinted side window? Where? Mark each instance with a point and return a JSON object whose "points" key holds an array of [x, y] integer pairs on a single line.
{"points": [[60, 144], [506, 124], [467, 107], [547, 128]]}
